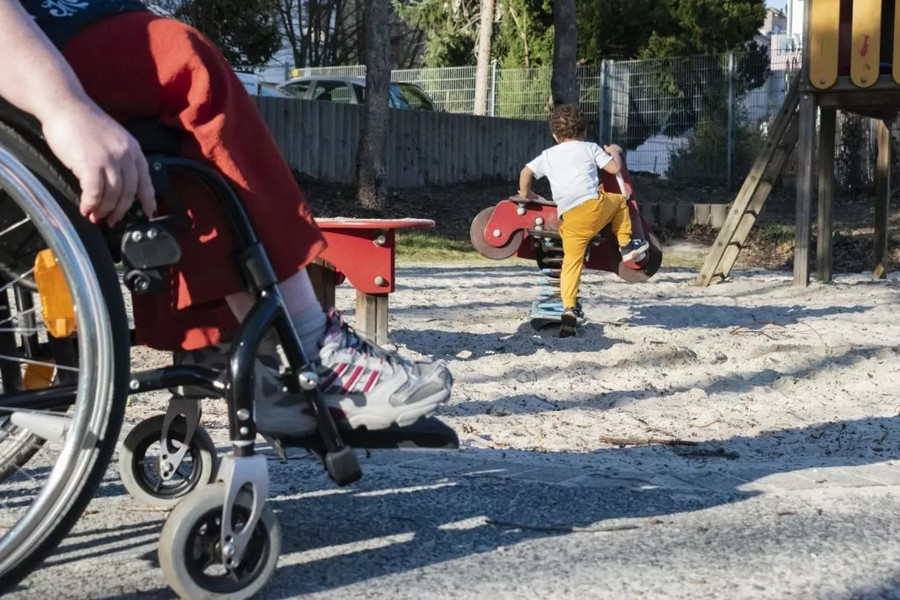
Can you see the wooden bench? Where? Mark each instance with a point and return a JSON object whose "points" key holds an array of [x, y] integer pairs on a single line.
{"points": [[362, 252]]}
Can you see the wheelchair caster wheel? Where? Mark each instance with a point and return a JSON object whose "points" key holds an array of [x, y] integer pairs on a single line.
{"points": [[140, 463], [190, 548], [343, 466]]}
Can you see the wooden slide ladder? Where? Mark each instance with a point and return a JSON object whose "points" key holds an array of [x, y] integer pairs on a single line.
{"points": [[754, 192]]}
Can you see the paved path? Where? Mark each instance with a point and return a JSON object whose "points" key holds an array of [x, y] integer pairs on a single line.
{"points": [[622, 523]]}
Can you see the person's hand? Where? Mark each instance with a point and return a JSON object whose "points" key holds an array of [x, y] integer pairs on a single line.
{"points": [[529, 195], [106, 160], [613, 149]]}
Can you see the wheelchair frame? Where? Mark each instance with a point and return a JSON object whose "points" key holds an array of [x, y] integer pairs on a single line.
{"points": [[242, 468]]}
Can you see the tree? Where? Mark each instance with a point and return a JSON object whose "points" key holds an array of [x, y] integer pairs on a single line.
{"points": [[525, 34], [322, 32], [370, 171], [564, 83], [485, 33], [615, 29], [706, 27], [612, 29], [245, 30], [448, 27]]}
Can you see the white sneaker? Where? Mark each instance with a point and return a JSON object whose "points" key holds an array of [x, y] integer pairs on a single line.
{"points": [[362, 384], [375, 388], [634, 250]]}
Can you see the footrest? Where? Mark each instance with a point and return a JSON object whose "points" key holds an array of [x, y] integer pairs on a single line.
{"points": [[424, 433]]}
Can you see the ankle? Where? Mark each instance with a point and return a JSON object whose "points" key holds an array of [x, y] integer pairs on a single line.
{"points": [[310, 325]]}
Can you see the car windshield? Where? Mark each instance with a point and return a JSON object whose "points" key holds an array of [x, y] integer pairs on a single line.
{"points": [[334, 91], [414, 97], [297, 89], [397, 98]]}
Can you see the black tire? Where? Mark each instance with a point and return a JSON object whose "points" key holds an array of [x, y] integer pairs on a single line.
{"points": [[146, 485], [188, 545], [17, 559]]}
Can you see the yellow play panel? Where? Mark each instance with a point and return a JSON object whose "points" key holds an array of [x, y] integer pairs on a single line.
{"points": [[865, 50], [897, 42], [824, 25]]}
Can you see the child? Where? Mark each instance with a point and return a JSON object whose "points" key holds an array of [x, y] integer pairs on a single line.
{"points": [[571, 166]]}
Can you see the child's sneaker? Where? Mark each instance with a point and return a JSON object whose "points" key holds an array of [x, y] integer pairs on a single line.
{"points": [[634, 250], [375, 388], [567, 323], [579, 309], [362, 384]]}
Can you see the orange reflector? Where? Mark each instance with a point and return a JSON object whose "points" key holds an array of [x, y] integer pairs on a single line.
{"points": [[38, 376], [56, 303]]}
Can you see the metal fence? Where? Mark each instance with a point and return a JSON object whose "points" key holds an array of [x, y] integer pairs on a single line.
{"points": [[700, 120], [512, 93], [699, 117]]}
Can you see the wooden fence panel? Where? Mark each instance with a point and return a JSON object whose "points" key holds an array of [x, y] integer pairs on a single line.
{"points": [[320, 140]]}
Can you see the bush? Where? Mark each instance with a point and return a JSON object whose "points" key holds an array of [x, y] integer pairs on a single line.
{"points": [[851, 174], [704, 159]]}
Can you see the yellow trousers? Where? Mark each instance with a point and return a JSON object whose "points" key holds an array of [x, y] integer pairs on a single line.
{"points": [[578, 227]]}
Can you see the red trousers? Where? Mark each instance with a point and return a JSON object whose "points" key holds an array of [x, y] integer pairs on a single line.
{"points": [[140, 66]]}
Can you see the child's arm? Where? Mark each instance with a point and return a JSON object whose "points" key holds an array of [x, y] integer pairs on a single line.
{"points": [[614, 166], [525, 184]]}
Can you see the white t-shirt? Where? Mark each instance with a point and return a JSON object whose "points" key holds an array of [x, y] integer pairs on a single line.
{"points": [[571, 168]]}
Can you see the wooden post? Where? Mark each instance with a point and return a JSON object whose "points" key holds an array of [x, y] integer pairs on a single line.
{"points": [[372, 316], [882, 198], [826, 194], [321, 274], [806, 146]]}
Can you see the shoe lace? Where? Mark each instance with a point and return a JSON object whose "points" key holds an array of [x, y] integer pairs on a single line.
{"points": [[351, 339]]}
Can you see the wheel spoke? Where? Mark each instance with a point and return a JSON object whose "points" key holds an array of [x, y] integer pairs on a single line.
{"points": [[14, 226], [19, 314], [28, 361], [17, 279]]}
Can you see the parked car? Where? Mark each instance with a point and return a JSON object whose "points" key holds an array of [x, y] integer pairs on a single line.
{"points": [[352, 90]]}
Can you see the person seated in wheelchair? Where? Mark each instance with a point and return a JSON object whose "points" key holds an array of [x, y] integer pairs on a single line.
{"points": [[81, 68]]}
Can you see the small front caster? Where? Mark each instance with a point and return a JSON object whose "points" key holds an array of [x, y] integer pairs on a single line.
{"points": [[148, 470], [191, 555]]}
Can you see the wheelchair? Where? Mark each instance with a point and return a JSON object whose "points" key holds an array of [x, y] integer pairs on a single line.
{"points": [[65, 377]]}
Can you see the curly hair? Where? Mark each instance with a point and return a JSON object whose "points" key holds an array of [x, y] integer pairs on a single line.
{"points": [[567, 123]]}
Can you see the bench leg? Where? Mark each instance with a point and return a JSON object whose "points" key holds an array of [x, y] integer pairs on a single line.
{"points": [[372, 316], [321, 274]]}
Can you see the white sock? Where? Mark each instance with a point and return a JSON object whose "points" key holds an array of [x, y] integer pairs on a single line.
{"points": [[310, 325], [306, 314]]}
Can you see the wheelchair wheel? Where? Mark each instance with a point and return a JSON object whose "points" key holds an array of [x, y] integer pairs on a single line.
{"points": [[190, 547], [64, 360], [140, 467]]}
